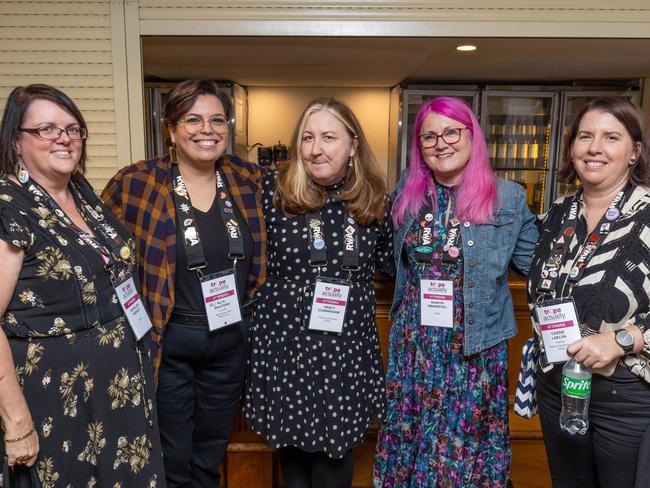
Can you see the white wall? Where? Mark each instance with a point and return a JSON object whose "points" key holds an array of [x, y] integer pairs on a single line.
{"points": [[274, 112]]}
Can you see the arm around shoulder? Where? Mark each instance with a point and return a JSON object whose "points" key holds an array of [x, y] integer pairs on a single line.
{"points": [[527, 235]]}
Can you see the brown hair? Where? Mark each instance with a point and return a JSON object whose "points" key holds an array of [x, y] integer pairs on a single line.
{"points": [[18, 102], [182, 97], [364, 190], [632, 119]]}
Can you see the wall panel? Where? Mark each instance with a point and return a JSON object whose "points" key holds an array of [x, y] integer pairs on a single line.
{"points": [[66, 44]]}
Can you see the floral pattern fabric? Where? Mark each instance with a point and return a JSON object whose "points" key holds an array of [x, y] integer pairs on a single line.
{"points": [[446, 414], [88, 388]]}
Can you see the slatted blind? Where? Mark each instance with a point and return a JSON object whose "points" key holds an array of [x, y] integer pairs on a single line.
{"points": [[66, 44]]}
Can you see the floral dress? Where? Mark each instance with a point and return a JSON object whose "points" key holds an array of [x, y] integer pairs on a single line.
{"points": [[88, 387], [318, 391], [447, 414]]}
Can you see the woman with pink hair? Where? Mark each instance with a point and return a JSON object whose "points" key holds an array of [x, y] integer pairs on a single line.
{"points": [[458, 229]]}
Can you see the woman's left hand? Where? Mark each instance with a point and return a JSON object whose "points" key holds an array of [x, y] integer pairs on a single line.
{"points": [[596, 351]]}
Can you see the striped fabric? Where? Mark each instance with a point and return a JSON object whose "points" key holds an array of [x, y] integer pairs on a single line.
{"points": [[140, 195]]}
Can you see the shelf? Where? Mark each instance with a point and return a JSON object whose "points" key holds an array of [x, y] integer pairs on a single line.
{"points": [[516, 168]]}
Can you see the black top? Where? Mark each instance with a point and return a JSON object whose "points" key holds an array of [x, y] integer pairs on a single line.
{"points": [[613, 289], [214, 240], [88, 390]]}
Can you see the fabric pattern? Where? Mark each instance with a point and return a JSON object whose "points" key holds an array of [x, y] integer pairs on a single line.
{"points": [[315, 390], [446, 414], [140, 195], [89, 390], [614, 289]]}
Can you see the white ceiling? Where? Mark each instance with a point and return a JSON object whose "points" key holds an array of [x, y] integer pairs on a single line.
{"points": [[385, 62]]}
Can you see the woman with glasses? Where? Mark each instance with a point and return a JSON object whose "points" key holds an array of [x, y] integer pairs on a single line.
{"points": [[76, 390], [458, 229], [200, 240]]}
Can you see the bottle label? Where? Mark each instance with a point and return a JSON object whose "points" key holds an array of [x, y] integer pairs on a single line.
{"points": [[575, 387]]}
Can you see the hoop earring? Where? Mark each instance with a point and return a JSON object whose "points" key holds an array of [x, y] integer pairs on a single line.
{"points": [[173, 155], [21, 173]]}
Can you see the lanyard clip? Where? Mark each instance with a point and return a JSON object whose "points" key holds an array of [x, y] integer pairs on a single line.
{"points": [[350, 269], [198, 268]]}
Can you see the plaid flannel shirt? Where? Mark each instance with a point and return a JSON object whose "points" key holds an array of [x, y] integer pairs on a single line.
{"points": [[140, 195]]}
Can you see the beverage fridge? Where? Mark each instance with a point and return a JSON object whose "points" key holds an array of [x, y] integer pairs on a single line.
{"points": [[524, 127]]}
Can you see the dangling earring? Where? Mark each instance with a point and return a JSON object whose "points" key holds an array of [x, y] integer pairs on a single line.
{"points": [[173, 157], [350, 162], [426, 170], [21, 173]]}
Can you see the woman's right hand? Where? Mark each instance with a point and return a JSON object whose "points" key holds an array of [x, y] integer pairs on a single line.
{"points": [[24, 451]]}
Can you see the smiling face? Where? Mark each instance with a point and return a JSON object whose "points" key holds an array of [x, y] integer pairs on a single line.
{"points": [[447, 161], [48, 159], [603, 152], [208, 144], [325, 148]]}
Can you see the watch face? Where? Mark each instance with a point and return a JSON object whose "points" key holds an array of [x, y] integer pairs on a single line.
{"points": [[624, 338]]}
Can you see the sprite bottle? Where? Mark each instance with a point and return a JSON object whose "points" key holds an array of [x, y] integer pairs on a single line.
{"points": [[576, 391]]}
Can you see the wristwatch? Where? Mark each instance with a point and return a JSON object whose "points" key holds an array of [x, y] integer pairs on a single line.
{"points": [[625, 340]]}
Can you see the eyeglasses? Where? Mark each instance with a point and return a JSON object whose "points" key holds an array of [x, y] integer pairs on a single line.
{"points": [[52, 133], [450, 136], [194, 124]]}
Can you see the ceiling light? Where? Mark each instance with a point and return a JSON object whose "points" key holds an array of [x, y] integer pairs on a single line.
{"points": [[466, 47]]}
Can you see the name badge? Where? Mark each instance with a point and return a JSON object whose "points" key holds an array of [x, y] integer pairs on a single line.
{"points": [[558, 322], [136, 314], [329, 305], [437, 303], [221, 299]]}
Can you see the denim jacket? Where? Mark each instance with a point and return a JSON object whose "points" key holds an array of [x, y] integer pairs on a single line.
{"points": [[488, 249]]}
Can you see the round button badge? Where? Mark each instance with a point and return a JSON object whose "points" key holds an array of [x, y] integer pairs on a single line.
{"points": [[453, 252]]}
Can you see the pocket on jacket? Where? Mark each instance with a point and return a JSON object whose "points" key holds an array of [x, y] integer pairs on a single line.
{"points": [[500, 230]]}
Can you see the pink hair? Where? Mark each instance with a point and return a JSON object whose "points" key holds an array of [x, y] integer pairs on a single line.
{"points": [[477, 189]]}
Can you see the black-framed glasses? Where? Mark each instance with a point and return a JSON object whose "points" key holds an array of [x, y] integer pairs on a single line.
{"points": [[194, 124], [52, 133], [450, 136]]}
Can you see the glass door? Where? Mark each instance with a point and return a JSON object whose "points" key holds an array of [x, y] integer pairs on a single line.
{"points": [[519, 133]]}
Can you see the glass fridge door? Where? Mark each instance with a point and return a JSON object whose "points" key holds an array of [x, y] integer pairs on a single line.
{"points": [[519, 133], [572, 103], [412, 100]]}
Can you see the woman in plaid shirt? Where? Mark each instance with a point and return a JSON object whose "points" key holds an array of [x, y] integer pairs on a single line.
{"points": [[198, 225]]}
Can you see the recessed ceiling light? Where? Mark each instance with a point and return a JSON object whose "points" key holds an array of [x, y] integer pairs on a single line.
{"points": [[466, 47]]}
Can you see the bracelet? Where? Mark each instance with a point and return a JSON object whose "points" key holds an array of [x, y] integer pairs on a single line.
{"points": [[23, 437]]}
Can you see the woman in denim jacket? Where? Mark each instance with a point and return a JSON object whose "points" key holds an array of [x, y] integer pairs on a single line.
{"points": [[458, 229]]}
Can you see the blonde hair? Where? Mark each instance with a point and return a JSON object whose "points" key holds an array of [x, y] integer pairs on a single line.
{"points": [[364, 191]]}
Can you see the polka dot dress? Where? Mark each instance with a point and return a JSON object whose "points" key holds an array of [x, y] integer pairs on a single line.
{"points": [[315, 390]]}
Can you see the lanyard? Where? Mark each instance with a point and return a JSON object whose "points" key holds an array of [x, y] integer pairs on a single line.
{"points": [[318, 249], [550, 269], [187, 220], [424, 248], [107, 242]]}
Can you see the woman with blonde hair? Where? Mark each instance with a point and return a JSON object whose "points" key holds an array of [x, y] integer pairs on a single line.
{"points": [[316, 377]]}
